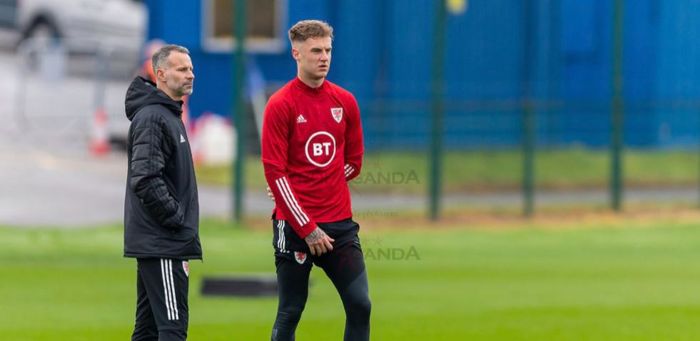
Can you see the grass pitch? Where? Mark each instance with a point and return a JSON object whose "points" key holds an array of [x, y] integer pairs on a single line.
{"points": [[626, 281], [493, 170]]}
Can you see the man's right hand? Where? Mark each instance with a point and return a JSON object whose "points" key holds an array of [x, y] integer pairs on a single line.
{"points": [[269, 194], [319, 242]]}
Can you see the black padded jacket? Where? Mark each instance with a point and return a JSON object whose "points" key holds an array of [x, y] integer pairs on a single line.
{"points": [[161, 207]]}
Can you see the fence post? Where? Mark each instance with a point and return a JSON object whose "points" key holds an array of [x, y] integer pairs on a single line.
{"points": [[435, 153], [238, 115], [617, 107], [528, 111], [99, 134], [21, 94]]}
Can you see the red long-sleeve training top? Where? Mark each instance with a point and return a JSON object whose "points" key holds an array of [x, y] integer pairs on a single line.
{"points": [[311, 146]]}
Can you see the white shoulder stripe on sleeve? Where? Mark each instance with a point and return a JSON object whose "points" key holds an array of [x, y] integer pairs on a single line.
{"points": [[285, 183], [291, 202], [348, 170], [287, 200]]}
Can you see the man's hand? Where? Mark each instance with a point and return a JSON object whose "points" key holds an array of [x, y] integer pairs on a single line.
{"points": [[269, 194], [319, 242]]}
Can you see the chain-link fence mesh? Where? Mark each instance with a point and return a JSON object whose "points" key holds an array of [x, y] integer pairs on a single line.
{"points": [[554, 59]]}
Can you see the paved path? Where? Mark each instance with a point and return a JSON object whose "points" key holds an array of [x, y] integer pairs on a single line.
{"points": [[69, 188]]}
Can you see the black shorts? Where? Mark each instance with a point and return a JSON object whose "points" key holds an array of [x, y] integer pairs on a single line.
{"points": [[288, 244]]}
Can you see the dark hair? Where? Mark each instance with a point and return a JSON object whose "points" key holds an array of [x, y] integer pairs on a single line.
{"points": [[161, 56], [306, 29]]}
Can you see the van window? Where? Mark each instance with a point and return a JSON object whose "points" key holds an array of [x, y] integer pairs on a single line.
{"points": [[265, 25], [8, 13]]}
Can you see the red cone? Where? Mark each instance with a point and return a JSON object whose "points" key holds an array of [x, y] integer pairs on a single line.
{"points": [[99, 139]]}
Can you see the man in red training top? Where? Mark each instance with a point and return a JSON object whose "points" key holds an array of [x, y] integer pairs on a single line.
{"points": [[311, 146]]}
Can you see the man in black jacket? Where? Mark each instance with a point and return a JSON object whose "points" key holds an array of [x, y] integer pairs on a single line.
{"points": [[161, 209]]}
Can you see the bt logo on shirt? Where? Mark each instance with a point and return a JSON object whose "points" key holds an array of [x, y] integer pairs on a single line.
{"points": [[320, 149]]}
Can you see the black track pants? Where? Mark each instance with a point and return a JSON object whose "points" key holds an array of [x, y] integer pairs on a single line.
{"points": [[161, 306]]}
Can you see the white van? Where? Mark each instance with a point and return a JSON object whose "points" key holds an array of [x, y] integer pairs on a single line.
{"points": [[87, 30], [81, 25]]}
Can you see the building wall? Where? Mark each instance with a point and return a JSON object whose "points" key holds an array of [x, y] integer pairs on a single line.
{"points": [[500, 52], [677, 72]]}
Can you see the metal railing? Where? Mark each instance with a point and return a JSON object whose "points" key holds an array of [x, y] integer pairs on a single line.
{"points": [[56, 92]]}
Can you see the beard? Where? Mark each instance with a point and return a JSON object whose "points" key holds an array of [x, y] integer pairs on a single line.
{"points": [[185, 90]]}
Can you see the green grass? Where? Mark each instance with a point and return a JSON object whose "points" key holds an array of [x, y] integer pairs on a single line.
{"points": [[494, 170], [640, 282]]}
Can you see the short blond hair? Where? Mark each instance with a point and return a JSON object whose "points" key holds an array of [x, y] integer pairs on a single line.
{"points": [[306, 29]]}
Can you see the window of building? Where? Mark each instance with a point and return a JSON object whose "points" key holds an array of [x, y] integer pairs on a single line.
{"points": [[265, 26]]}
